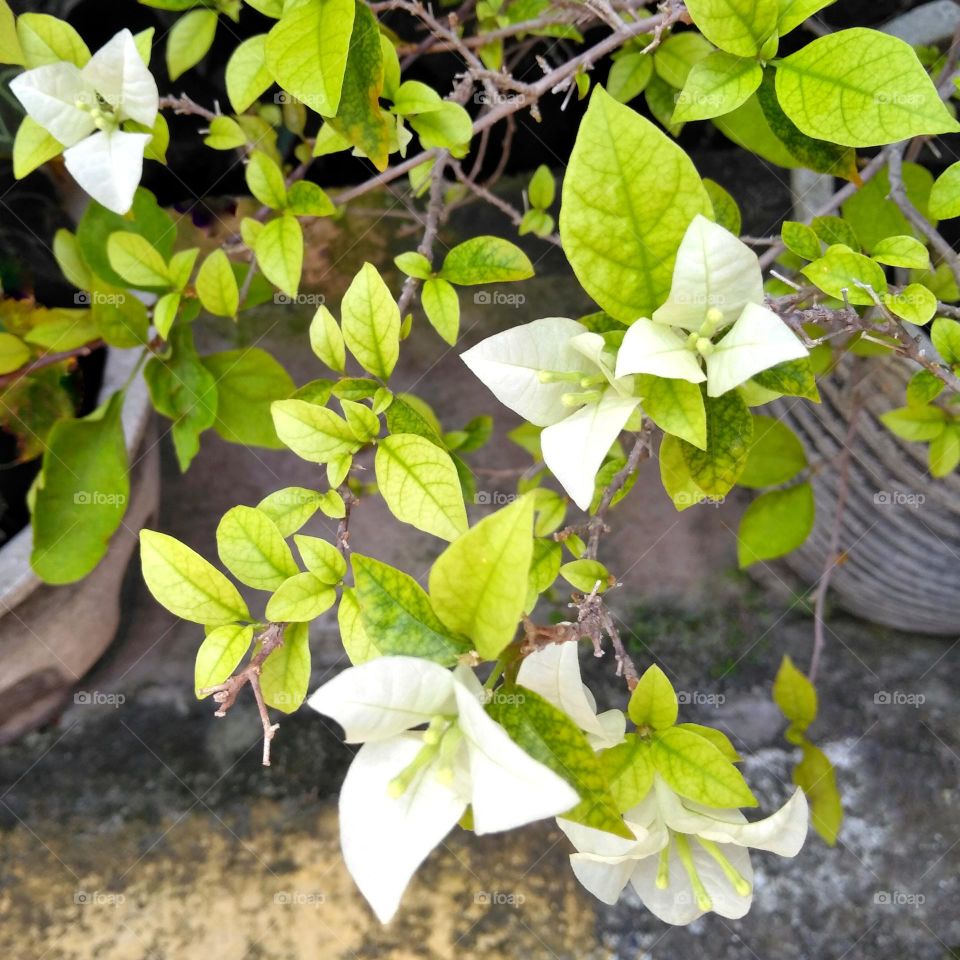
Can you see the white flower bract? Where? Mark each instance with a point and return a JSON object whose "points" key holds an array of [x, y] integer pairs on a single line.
{"points": [[687, 859], [717, 286], [83, 108], [405, 790]]}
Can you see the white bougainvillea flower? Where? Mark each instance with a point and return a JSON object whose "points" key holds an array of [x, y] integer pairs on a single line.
{"points": [[83, 108], [554, 673], [717, 298], [558, 375], [687, 859], [405, 790]]}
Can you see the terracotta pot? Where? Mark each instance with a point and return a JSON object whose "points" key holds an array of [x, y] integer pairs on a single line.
{"points": [[50, 636]]}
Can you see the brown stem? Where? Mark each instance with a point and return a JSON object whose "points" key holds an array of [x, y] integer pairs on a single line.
{"points": [[225, 694], [47, 360]]}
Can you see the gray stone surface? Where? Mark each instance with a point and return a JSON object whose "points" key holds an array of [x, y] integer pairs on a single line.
{"points": [[141, 827]]}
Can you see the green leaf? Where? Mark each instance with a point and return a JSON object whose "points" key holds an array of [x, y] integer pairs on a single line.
{"points": [[860, 88], [945, 195], [285, 675], [14, 353], [794, 12], [485, 259], [794, 378], [252, 549], [414, 97], [419, 484], [628, 196], [10, 51], [536, 222], [306, 52], [45, 39], [184, 390], [81, 495], [553, 739], [448, 127], [322, 558], [326, 340], [676, 407], [137, 260], [795, 695], [717, 85], [840, 270], [584, 574], [816, 776], [737, 26], [414, 264], [301, 598], [697, 770], [219, 655], [725, 209], [181, 266], [775, 456], [183, 582], [945, 334], [371, 322], [628, 78], [279, 249], [265, 180], [396, 613], [775, 523], [247, 74], [225, 134], [819, 155], [189, 40], [720, 740], [748, 127], [217, 286], [364, 423], [944, 452], [678, 54], [359, 117], [729, 430], [915, 304], [290, 508], [800, 239], [32, 147], [357, 643], [653, 702], [479, 583], [628, 770], [675, 475], [248, 381], [923, 387], [915, 423], [544, 569], [542, 189], [120, 317], [313, 432], [307, 199], [442, 307], [835, 231], [902, 251], [873, 216]]}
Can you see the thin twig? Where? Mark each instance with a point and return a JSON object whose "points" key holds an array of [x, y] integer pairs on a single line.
{"points": [[225, 694], [47, 360]]}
